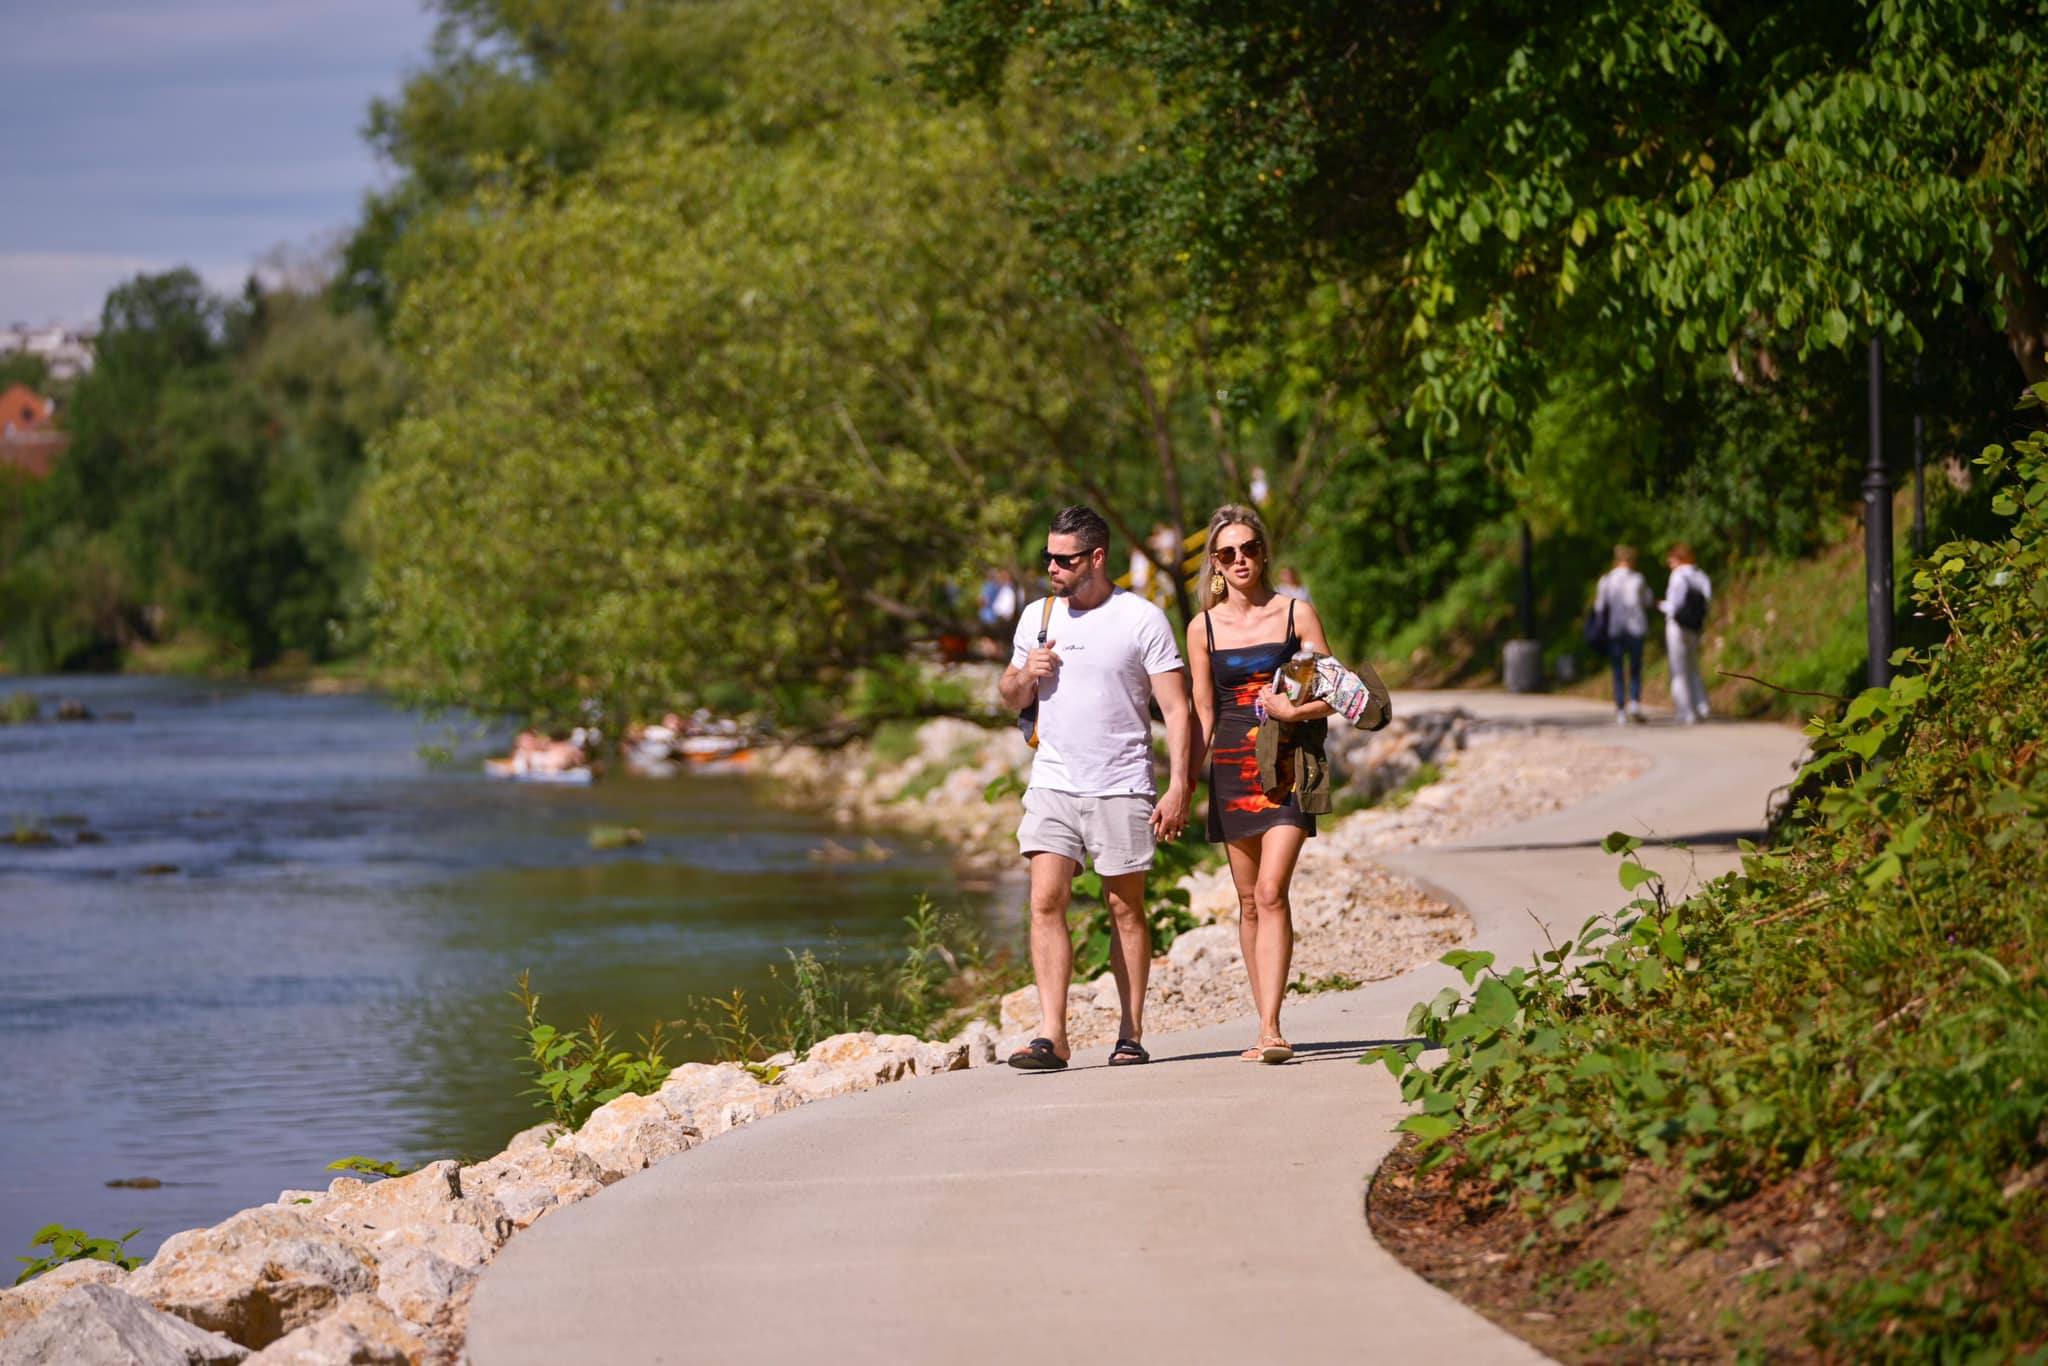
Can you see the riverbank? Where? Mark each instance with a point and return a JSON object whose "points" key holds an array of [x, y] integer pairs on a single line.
{"points": [[382, 1271]]}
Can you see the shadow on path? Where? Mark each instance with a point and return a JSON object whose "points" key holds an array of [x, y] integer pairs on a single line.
{"points": [[1702, 839]]}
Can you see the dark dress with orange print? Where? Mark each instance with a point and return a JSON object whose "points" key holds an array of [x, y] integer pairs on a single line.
{"points": [[1238, 809]]}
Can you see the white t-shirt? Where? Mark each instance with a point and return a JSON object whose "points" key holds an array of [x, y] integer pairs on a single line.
{"points": [[1682, 577], [1625, 595], [1094, 736]]}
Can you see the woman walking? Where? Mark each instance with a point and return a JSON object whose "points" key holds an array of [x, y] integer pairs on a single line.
{"points": [[1623, 600], [1687, 595], [1235, 648]]}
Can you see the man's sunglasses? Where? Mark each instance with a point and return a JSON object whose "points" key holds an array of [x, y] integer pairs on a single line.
{"points": [[1064, 561], [1226, 555]]}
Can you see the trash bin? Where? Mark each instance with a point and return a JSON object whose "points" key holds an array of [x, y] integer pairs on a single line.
{"points": [[1522, 665]]}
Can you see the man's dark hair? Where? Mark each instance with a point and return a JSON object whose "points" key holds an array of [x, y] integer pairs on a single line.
{"points": [[1084, 523]]}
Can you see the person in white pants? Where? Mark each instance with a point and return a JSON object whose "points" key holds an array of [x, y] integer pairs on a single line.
{"points": [[1687, 595]]}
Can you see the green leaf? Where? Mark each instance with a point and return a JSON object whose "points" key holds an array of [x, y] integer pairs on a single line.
{"points": [[1493, 1005], [1429, 1128], [1634, 875]]}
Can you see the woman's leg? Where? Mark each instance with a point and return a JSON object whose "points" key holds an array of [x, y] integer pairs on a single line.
{"points": [[1681, 670], [1635, 673], [1244, 875], [1699, 684], [1279, 848], [1617, 651]]}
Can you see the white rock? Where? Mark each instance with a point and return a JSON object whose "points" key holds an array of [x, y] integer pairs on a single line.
{"points": [[23, 1302], [415, 1283], [257, 1275], [362, 1331], [932, 1058], [1020, 1007], [538, 1137], [809, 1081], [842, 1048], [1105, 995], [97, 1325], [528, 1184], [1206, 951], [712, 1100], [980, 1038], [428, 1209], [631, 1133]]}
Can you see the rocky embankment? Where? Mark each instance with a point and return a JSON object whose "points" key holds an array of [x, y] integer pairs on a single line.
{"points": [[381, 1272]]}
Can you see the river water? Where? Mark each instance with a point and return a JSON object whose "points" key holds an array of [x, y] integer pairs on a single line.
{"points": [[326, 973]]}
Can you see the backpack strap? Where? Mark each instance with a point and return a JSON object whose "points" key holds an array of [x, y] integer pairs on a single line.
{"points": [[1045, 619]]}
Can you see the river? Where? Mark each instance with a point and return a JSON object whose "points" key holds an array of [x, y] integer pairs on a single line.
{"points": [[326, 972]]}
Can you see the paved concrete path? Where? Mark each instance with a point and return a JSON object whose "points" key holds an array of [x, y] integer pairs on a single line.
{"points": [[1202, 1209]]}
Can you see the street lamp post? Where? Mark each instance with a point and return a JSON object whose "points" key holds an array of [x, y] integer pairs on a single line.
{"points": [[1877, 530]]}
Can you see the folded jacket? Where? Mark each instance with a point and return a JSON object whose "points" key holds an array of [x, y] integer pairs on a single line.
{"points": [[1292, 759]]}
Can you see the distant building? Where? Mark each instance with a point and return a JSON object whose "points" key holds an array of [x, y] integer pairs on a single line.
{"points": [[66, 350], [30, 440]]}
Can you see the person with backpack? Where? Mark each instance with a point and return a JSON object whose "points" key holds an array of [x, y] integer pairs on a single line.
{"points": [[1618, 624], [1687, 595], [1084, 664]]}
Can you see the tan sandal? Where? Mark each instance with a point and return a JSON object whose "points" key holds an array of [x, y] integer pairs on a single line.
{"points": [[1253, 1055], [1275, 1051]]}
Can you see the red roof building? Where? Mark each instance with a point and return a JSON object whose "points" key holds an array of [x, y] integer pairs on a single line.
{"points": [[29, 438]]}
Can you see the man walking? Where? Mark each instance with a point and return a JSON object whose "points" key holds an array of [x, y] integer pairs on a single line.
{"points": [[1089, 657]]}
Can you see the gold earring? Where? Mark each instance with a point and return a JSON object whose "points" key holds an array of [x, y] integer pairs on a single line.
{"points": [[1216, 584]]}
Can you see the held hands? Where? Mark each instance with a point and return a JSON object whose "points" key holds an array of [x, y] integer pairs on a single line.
{"points": [[1170, 816]]}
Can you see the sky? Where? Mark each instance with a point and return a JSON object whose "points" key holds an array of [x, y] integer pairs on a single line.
{"points": [[148, 134]]}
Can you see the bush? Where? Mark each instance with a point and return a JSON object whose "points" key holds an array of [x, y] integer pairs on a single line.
{"points": [[575, 1073], [72, 1245], [1865, 1000]]}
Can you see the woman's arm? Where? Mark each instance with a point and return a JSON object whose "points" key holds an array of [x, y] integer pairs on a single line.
{"points": [[1308, 629], [1202, 683]]}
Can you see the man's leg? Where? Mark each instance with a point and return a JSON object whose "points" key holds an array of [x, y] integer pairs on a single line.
{"points": [[1052, 946], [1130, 948]]}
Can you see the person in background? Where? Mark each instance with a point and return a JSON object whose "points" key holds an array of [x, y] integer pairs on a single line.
{"points": [[1291, 586], [998, 602], [1165, 543], [1624, 598], [1687, 594]]}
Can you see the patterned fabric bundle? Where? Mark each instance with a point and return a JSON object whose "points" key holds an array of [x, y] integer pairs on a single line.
{"points": [[1362, 701]]}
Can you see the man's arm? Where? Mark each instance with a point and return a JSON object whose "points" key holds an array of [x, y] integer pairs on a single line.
{"points": [[1170, 691], [1016, 688]]}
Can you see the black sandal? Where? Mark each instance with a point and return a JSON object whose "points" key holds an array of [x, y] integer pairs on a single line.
{"points": [[1037, 1056], [1128, 1053]]}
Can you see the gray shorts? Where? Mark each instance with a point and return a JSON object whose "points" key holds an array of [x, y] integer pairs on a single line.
{"points": [[1115, 831]]}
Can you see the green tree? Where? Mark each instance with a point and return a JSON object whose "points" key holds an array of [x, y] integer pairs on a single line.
{"points": [[1701, 179], [216, 448]]}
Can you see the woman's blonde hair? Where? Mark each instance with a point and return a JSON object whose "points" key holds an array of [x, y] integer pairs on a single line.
{"points": [[1233, 514]]}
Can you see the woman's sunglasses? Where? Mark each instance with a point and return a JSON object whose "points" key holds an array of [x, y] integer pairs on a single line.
{"points": [[1226, 555], [1064, 561]]}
